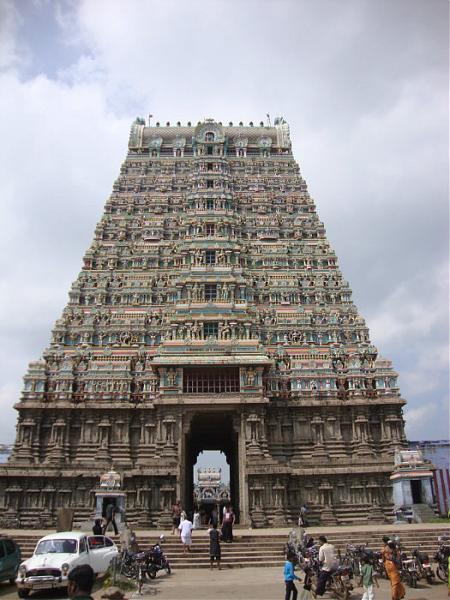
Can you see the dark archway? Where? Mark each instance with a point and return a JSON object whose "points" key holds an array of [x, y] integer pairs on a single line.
{"points": [[212, 431]]}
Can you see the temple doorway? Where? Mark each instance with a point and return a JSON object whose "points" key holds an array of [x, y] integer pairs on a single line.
{"points": [[211, 431], [416, 491], [211, 485]]}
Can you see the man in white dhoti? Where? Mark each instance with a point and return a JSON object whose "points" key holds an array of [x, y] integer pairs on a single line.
{"points": [[185, 528]]}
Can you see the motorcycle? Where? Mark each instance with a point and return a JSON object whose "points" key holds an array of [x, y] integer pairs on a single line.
{"points": [[409, 572], [156, 561], [340, 583], [441, 557], [127, 565], [424, 566]]}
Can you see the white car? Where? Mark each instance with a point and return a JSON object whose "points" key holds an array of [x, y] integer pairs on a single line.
{"points": [[57, 554]]}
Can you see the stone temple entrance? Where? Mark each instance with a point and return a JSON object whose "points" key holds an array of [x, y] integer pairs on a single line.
{"points": [[210, 313], [213, 430]]}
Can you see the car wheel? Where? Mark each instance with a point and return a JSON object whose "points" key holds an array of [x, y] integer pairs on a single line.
{"points": [[23, 593]]}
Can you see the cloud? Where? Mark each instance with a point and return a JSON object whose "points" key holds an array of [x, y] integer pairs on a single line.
{"points": [[429, 416], [415, 308], [364, 86]]}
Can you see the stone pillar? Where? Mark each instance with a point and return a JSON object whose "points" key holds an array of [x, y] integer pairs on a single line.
{"points": [[240, 428]]}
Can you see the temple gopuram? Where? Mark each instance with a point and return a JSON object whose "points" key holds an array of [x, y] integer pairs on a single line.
{"points": [[210, 314]]}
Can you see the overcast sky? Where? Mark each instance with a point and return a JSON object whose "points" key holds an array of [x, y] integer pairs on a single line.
{"points": [[363, 85]]}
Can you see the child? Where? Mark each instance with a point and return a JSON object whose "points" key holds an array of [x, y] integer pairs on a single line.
{"points": [[367, 579], [290, 577], [214, 545]]}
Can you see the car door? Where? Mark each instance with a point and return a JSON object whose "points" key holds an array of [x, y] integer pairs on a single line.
{"points": [[84, 557], [10, 559], [3, 573], [102, 550]]}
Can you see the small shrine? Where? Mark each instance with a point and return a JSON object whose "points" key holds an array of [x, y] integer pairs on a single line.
{"points": [[412, 483], [107, 492], [210, 492]]}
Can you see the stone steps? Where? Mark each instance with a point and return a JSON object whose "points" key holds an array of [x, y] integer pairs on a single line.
{"points": [[263, 550]]}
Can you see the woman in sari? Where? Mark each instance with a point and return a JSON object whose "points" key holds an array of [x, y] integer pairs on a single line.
{"points": [[389, 553]]}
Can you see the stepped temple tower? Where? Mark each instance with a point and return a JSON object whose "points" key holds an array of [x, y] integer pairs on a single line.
{"points": [[210, 314]]}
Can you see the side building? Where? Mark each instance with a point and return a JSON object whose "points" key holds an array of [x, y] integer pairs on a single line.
{"points": [[210, 314], [438, 452]]}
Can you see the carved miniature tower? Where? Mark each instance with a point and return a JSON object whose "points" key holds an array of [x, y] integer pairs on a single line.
{"points": [[210, 313]]}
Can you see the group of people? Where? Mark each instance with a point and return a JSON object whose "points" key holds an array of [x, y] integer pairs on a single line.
{"points": [[182, 524], [101, 525], [327, 557]]}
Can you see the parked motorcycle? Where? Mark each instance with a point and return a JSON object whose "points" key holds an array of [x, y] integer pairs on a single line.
{"points": [[156, 561], [339, 582], [409, 571], [424, 566], [441, 557]]}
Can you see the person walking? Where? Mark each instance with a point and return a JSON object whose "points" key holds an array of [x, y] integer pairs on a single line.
{"points": [[390, 556], [176, 514], [327, 556], [367, 579], [227, 524], [302, 521], [110, 514], [214, 546], [185, 528], [290, 577], [214, 518]]}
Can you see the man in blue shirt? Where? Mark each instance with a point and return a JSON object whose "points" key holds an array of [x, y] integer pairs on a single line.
{"points": [[290, 577]]}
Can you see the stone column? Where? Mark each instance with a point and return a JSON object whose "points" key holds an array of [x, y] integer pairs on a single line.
{"points": [[239, 425]]}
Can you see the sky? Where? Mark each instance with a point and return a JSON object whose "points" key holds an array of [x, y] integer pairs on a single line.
{"points": [[363, 85]]}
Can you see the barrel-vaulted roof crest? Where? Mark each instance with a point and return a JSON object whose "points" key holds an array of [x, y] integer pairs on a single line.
{"points": [[209, 126]]}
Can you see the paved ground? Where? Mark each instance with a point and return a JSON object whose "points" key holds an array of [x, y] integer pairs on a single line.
{"points": [[232, 584], [252, 584]]}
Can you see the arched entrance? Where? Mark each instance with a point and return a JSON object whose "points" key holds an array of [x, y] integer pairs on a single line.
{"points": [[211, 431]]}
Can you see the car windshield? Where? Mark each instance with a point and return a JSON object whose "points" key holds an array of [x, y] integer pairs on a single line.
{"points": [[56, 547]]}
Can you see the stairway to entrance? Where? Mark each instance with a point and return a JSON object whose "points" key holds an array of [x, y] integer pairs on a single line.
{"points": [[264, 548]]}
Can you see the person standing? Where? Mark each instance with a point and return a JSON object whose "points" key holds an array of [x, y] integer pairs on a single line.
{"points": [[327, 556], [196, 522], [227, 524], [290, 577], [80, 582], [185, 528], [97, 528], [214, 546], [367, 579], [390, 556], [176, 514], [110, 514]]}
